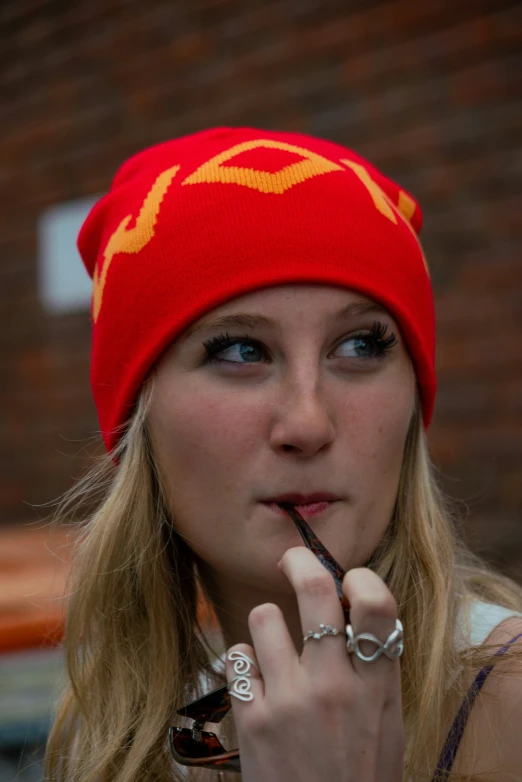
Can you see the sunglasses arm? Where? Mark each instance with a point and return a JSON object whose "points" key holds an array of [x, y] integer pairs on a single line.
{"points": [[212, 707], [313, 543]]}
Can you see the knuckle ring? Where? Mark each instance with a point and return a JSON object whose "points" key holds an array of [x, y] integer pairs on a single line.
{"points": [[240, 685], [392, 647]]}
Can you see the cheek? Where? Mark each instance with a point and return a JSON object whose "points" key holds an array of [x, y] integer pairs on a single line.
{"points": [[202, 439], [381, 415], [377, 429], [387, 430]]}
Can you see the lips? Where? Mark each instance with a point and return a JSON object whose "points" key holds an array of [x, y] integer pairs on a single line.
{"points": [[295, 498]]}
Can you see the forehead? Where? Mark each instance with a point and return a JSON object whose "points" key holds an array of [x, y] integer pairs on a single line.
{"points": [[319, 292], [268, 306]]}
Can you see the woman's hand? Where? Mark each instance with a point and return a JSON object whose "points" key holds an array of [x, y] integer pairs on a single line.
{"points": [[324, 715]]}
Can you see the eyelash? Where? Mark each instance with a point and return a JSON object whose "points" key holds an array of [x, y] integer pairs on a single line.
{"points": [[376, 336]]}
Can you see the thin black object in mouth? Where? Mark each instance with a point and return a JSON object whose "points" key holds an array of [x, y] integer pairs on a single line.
{"points": [[313, 543]]}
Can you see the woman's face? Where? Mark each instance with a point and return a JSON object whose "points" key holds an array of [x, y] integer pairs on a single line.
{"points": [[303, 392]]}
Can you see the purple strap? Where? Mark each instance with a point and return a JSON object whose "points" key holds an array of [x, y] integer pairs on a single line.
{"points": [[451, 745]]}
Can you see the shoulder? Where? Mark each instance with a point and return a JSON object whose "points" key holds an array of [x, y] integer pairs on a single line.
{"points": [[477, 619], [491, 744]]}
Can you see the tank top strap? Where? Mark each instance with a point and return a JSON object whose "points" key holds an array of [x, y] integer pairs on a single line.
{"points": [[449, 751]]}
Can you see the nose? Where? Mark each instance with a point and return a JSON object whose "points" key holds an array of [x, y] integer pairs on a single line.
{"points": [[303, 424]]}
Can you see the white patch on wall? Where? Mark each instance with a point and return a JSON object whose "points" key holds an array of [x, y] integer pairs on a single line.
{"points": [[63, 283]]}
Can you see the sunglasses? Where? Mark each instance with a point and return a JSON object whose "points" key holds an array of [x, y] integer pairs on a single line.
{"points": [[195, 747]]}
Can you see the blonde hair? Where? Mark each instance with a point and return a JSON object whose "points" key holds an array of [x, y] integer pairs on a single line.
{"points": [[135, 651]]}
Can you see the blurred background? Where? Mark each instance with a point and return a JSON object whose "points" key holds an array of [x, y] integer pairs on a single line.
{"points": [[430, 92]]}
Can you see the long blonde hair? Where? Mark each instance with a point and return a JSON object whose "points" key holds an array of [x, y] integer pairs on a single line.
{"points": [[135, 650]]}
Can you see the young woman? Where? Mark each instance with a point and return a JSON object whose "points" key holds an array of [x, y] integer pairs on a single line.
{"points": [[263, 345]]}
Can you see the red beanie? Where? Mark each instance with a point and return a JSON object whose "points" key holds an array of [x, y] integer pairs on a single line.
{"points": [[193, 222]]}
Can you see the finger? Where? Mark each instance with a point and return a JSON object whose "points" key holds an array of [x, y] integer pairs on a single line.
{"points": [[318, 604], [273, 645], [390, 759], [374, 611], [244, 680]]}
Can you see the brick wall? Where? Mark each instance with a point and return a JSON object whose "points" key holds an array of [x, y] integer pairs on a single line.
{"points": [[430, 92]]}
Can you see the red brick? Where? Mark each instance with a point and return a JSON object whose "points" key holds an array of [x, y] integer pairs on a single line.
{"points": [[428, 91]]}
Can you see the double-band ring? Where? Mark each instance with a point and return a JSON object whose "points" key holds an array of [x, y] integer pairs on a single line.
{"points": [[392, 647]]}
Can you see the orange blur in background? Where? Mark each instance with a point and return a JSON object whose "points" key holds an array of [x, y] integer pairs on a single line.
{"points": [[33, 572], [33, 566]]}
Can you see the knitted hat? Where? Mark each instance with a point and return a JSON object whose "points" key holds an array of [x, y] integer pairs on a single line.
{"points": [[193, 222]]}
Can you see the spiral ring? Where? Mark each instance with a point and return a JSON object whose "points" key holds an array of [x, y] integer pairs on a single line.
{"points": [[240, 685]]}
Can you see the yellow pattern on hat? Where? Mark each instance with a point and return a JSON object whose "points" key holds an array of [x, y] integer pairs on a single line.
{"points": [[125, 240], [131, 240], [264, 181]]}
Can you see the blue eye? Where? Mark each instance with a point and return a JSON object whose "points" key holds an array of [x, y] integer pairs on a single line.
{"points": [[235, 350], [361, 347]]}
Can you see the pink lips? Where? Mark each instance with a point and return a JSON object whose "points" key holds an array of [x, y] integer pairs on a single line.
{"points": [[312, 509], [306, 504], [294, 498]]}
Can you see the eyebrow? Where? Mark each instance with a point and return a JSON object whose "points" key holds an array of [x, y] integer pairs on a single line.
{"points": [[252, 321]]}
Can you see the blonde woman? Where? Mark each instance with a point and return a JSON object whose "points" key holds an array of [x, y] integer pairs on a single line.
{"points": [[263, 350]]}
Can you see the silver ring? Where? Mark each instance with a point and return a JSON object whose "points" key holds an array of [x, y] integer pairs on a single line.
{"points": [[240, 685], [392, 647], [325, 630]]}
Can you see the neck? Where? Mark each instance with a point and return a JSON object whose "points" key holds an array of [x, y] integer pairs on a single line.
{"points": [[233, 600]]}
